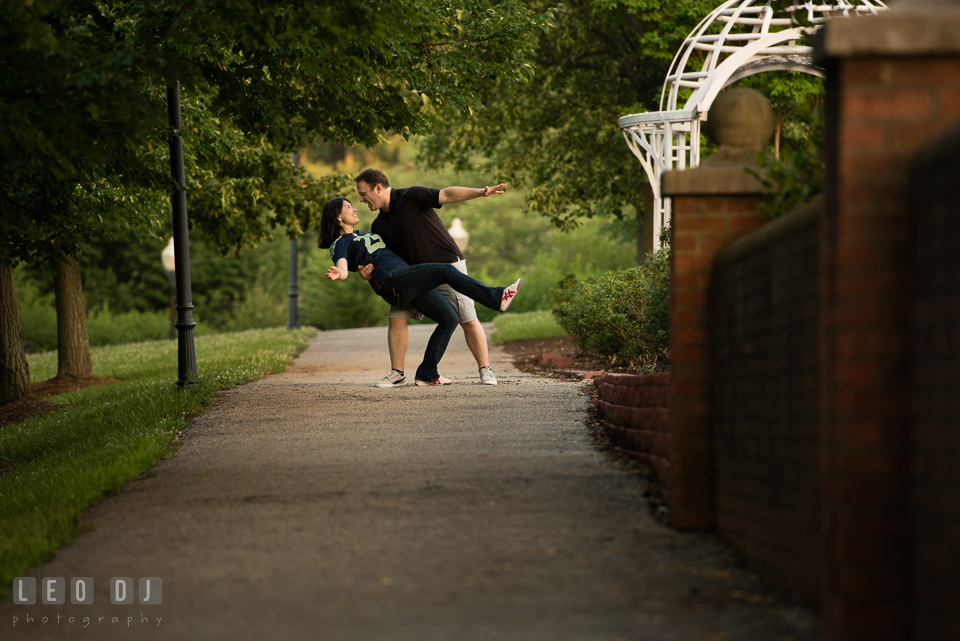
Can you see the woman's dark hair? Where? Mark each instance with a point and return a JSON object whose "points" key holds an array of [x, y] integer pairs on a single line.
{"points": [[329, 225]]}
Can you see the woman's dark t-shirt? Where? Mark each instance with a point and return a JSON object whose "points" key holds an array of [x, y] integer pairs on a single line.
{"points": [[413, 230], [362, 248]]}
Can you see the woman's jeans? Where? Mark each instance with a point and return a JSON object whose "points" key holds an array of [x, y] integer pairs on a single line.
{"points": [[415, 286]]}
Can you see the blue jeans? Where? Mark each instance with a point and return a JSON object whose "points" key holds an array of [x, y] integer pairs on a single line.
{"points": [[415, 286]]}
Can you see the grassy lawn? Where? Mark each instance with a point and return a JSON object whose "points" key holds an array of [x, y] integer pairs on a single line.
{"points": [[518, 327], [65, 461]]}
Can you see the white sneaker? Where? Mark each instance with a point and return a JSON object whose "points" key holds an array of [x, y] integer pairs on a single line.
{"points": [[393, 378], [486, 376], [440, 381], [509, 293]]}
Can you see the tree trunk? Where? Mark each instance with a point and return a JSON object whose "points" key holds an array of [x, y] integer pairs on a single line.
{"points": [[73, 343], [14, 373]]}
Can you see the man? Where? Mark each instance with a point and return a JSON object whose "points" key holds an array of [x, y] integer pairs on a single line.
{"points": [[410, 227]]}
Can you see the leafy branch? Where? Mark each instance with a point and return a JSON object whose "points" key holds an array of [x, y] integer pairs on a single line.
{"points": [[791, 181]]}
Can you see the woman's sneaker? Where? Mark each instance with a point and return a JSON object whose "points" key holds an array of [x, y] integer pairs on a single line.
{"points": [[393, 378], [509, 293], [440, 381]]}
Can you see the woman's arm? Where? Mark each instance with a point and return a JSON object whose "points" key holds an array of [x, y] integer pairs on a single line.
{"points": [[338, 271]]}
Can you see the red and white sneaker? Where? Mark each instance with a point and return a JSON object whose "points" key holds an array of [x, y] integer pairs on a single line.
{"points": [[509, 293], [440, 381]]}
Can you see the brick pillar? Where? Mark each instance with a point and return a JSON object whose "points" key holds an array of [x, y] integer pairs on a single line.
{"points": [[712, 205], [892, 85]]}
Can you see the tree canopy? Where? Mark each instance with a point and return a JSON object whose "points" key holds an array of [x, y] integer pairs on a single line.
{"points": [[82, 99], [557, 134], [83, 85]]}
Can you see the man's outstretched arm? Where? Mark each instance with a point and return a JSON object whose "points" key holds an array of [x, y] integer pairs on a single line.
{"points": [[460, 194]]}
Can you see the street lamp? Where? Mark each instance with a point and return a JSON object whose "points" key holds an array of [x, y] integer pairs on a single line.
{"points": [[186, 353], [169, 260], [293, 322], [460, 235]]}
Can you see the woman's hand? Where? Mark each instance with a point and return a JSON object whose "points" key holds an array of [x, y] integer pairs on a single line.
{"points": [[340, 271]]}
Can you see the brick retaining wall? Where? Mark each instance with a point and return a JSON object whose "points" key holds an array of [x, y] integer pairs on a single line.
{"points": [[634, 412]]}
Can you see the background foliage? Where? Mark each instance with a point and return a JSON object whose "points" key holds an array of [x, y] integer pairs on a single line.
{"points": [[128, 295], [557, 135], [257, 81], [620, 315], [84, 103]]}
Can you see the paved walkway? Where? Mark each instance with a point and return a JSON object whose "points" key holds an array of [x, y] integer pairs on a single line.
{"points": [[310, 505]]}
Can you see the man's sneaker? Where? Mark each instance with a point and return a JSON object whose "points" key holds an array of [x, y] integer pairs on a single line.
{"points": [[440, 381], [393, 378], [509, 293], [487, 377]]}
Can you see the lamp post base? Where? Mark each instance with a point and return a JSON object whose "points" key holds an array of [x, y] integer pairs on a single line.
{"points": [[186, 354]]}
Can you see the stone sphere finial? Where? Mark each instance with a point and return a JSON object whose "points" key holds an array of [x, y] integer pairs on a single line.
{"points": [[741, 119]]}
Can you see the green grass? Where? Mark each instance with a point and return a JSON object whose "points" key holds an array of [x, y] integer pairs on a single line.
{"points": [[518, 327], [66, 461]]}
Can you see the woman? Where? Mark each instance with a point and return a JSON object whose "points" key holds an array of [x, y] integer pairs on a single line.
{"points": [[403, 285]]}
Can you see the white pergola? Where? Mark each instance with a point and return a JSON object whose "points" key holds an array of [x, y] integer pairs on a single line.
{"points": [[740, 38]]}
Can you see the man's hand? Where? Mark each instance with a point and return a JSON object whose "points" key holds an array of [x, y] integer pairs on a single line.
{"points": [[365, 271], [496, 189], [333, 273]]}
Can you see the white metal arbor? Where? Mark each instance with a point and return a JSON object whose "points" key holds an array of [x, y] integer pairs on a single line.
{"points": [[740, 38]]}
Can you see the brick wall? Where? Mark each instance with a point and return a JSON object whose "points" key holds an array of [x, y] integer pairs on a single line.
{"points": [[880, 109], [817, 420], [935, 406], [766, 404], [634, 412]]}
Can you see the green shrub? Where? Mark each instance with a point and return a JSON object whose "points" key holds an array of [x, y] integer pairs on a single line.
{"points": [[790, 182], [621, 315], [337, 305], [37, 313], [107, 328], [258, 309]]}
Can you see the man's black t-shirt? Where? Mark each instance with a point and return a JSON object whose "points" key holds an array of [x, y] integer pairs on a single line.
{"points": [[413, 230]]}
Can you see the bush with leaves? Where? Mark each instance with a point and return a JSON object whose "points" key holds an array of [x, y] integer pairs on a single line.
{"points": [[621, 315], [795, 178], [790, 182]]}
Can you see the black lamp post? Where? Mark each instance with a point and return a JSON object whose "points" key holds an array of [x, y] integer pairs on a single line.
{"points": [[293, 321], [186, 355]]}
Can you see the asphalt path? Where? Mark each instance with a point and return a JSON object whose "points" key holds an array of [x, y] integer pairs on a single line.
{"points": [[312, 505]]}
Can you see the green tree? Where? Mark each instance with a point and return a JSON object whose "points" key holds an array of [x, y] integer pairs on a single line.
{"points": [[558, 134], [82, 95], [69, 136], [796, 98]]}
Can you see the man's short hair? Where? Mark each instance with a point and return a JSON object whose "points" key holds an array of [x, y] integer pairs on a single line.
{"points": [[373, 177]]}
